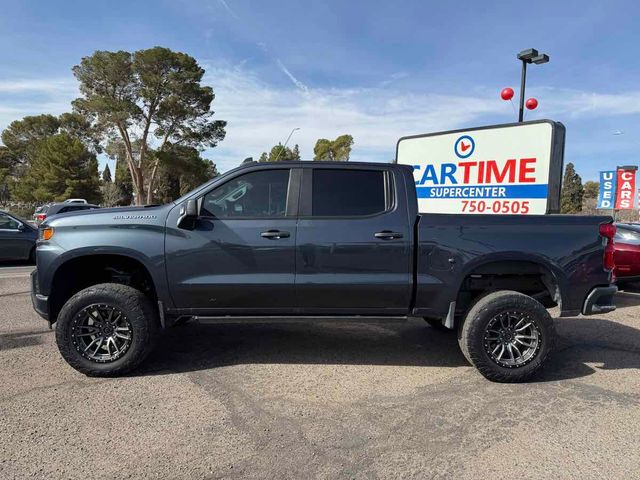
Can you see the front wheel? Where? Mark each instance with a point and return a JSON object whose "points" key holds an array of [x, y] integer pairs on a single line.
{"points": [[507, 336], [106, 330]]}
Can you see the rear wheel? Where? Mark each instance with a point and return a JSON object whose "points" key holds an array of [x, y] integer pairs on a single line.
{"points": [[106, 330], [507, 336]]}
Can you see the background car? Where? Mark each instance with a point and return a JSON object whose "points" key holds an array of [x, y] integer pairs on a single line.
{"points": [[75, 200], [627, 252], [64, 207], [40, 213], [17, 239]]}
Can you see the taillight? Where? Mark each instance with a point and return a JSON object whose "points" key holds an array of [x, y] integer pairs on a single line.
{"points": [[41, 216], [608, 231]]}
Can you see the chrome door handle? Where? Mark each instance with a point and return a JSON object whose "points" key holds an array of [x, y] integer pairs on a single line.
{"points": [[274, 234], [388, 235]]}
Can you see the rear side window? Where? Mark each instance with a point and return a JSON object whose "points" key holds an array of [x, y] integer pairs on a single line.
{"points": [[348, 193]]}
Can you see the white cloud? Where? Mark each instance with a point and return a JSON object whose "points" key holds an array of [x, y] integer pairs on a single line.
{"points": [[26, 96], [226, 6], [260, 115], [53, 86], [577, 103], [301, 86]]}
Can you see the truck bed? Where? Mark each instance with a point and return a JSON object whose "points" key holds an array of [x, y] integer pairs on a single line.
{"points": [[563, 250]]}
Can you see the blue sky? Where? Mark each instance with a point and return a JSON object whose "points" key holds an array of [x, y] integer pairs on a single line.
{"points": [[375, 69]]}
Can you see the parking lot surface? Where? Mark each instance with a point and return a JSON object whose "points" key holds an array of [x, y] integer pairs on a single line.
{"points": [[318, 400]]}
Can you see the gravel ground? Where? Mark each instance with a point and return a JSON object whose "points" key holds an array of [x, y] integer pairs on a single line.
{"points": [[321, 400]]}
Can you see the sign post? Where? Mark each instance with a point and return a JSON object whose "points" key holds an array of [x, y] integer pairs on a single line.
{"points": [[500, 169]]}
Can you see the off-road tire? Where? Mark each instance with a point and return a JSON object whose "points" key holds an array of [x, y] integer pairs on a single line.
{"points": [[471, 335], [140, 313]]}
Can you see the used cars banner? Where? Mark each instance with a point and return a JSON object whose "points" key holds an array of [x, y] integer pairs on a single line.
{"points": [[625, 197], [606, 196]]}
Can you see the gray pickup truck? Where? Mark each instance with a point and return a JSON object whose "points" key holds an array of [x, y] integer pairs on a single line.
{"points": [[311, 240]]}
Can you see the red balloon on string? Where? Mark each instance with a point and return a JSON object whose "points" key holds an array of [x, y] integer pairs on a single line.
{"points": [[531, 103], [506, 93]]}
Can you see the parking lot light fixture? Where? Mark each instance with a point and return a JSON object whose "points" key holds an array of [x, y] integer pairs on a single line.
{"points": [[540, 59], [529, 55]]}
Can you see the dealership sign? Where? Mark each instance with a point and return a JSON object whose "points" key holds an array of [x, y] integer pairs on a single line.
{"points": [[501, 169]]}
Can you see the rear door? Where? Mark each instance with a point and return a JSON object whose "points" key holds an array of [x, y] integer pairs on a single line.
{"points": [[353, 250]]}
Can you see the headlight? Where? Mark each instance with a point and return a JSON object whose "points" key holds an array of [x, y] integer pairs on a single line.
{"points": [[45, 233]]}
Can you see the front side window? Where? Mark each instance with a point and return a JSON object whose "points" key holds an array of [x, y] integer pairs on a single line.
{"points": [[8, 223], [252, 195], [348, 193]]}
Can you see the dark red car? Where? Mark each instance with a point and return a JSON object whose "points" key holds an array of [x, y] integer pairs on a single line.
{"points": [[627, 252]]}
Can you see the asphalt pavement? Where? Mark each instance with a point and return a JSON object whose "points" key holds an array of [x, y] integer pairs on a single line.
{"points": [[15, 271], [318, 400]]}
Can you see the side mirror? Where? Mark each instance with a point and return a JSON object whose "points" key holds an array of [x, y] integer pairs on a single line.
{"points": [[188, 215], [21, 227]]}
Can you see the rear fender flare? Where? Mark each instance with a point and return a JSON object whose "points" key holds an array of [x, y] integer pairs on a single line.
{"points": [[555, 270]]}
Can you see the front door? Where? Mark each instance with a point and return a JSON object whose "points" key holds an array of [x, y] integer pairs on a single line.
{"points": [[240, 258], [354, 242]]}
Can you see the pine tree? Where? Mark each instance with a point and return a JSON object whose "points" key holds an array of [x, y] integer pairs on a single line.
{"points": [[337, 150], [295, 153], [572, 191], [61, 167], [280, 153], [106, 174], [591, 189]]}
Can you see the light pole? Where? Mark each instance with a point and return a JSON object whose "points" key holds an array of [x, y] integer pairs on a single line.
{"points": [[285, 143], [530, 55]]}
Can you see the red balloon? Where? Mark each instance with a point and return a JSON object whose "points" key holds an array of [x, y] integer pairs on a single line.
{"points": [[506, 93], [531, 103]]}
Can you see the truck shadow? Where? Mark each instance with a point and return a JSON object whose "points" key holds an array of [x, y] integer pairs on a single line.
{"points": [[13, 340], [585, 345], [16, 263], [196, 347]]}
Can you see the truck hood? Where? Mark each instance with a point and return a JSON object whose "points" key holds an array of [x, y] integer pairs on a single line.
{"points": [[152, 214]]}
